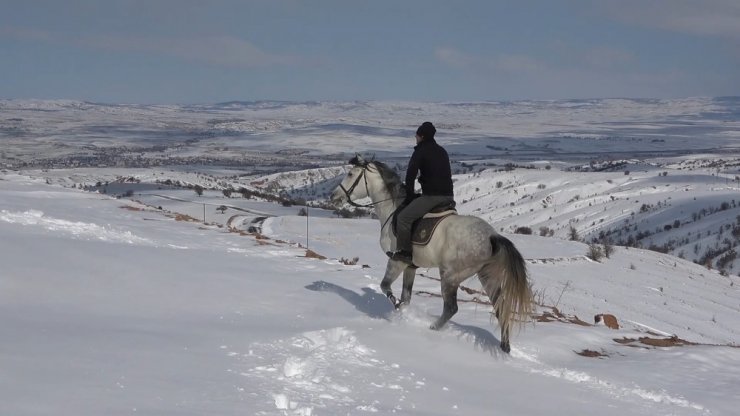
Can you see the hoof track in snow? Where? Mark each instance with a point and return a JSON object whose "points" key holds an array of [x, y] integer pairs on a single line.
{"points": [[531, 363], [318, 371]]}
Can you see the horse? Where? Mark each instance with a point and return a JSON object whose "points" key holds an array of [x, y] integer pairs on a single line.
{"points": [[461, 246]]}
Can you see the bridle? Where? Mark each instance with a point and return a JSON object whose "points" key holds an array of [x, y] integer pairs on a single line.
{"points": [[348, 192], [362, 175]]}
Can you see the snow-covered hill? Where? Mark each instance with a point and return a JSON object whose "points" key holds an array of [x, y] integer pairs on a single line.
{"points": [[692, 214], [178, 280], [688, 209], [110, 307]]}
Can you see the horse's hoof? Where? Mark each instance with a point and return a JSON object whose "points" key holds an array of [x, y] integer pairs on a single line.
{"points": [[506, 347]]}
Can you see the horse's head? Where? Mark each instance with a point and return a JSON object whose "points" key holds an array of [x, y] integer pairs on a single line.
{"points": [[354, 185]]}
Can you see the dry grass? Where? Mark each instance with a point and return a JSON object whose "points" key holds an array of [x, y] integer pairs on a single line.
{"points": [[555, 315], [183, 217]]}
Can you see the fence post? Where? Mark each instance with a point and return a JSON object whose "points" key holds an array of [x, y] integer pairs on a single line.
{"points": [[306, 226]]}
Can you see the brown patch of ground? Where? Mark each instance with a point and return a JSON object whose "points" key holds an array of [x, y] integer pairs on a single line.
{"points": [[314, 255], [130, 208], [673, 341], [592, 353], [183, 217], [663, 342]]}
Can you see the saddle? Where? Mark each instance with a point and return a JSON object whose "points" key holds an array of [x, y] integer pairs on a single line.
{"points": [[423, 228]]}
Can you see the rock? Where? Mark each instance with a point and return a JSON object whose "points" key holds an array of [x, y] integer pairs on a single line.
{"points": [[608, 319]]}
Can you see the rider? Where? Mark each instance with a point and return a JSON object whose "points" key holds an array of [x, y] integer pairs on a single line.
{"points": [[431, 162]]}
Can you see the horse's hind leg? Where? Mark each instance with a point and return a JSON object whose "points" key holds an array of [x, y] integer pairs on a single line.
{"points": [[408, 284], [392, 270], [492, 286], [449, 296]]}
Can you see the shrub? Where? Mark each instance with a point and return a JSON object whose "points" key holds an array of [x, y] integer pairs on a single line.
{"points": [[594, 252], [573, 234], [523, 230], [608, 250], [348, 262]]}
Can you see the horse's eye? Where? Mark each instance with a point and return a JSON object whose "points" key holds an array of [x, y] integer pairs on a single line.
{"points": [[349, 174]]}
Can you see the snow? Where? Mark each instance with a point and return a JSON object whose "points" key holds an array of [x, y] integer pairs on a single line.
{"points": [[121, 311], [161, 304]]}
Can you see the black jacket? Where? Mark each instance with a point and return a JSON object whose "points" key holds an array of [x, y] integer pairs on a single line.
{"points": [[431, 161]]}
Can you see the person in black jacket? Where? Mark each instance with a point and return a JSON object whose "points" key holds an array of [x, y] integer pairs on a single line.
{"points": [[431, 162]]}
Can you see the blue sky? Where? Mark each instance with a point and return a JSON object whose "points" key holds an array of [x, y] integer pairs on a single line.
{"points": [[188, 51]]}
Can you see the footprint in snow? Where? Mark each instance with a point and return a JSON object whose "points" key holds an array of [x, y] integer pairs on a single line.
{"points": [[318, 370]]}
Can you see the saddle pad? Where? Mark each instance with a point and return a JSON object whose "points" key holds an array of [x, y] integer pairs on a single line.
{"points": [[424, 228]]}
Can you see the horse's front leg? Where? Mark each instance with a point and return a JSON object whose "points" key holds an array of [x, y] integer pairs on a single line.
{"points": [[392, 270], [408, 284]]}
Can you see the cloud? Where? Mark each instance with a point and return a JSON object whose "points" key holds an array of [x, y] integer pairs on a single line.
{"points": [[216, 50], [719, 18], [226, 51], [25, 34], [608, 57], [511, 64], [603, 58], [571, 72]]}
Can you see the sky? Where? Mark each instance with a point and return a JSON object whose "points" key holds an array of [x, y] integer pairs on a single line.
{"points": [[188, 51]]}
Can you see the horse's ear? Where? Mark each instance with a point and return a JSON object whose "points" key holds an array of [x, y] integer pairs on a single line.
{"points": [[357, 160]]}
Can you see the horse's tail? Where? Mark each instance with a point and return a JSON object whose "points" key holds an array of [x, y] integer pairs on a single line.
{"points": [[512, 296]]}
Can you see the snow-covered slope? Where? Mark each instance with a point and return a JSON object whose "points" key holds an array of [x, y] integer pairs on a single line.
{"points": [[692, 214], [109, 307]]}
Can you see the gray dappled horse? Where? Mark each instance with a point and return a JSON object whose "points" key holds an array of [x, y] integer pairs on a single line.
{"points": [[460, 247]]}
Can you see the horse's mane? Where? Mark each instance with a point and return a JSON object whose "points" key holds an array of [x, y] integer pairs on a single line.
{"points": [[391, 179]]}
